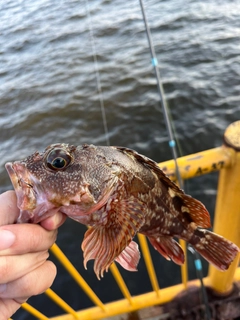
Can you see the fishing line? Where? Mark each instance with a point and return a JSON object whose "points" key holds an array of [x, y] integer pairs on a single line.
{"points": [[199, 271], [97, 74], [172, 142], [172, 145]]}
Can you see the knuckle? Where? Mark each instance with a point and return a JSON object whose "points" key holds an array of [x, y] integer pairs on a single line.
{"points": [[52, 272]]}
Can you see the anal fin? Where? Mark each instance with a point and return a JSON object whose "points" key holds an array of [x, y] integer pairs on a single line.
{"points": [[169, 248]]}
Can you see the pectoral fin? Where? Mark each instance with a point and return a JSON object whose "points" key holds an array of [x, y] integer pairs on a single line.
{"points": [[129, 257], [105, 243]]}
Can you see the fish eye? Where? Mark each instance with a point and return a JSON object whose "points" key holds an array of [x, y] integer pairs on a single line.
{"points": [[58, 159]]}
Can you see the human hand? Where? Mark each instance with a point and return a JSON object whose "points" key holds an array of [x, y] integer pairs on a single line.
{"points": [[24, 268]]}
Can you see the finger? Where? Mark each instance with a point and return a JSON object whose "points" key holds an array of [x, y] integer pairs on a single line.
{"points": [[32, 283], [54, 222], [8, 307], [9, 211], [25, 238], [14, 267]]}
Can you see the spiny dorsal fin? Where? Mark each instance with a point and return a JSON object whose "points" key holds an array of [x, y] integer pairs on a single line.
{"points": [[152, 165], [196, 210]]}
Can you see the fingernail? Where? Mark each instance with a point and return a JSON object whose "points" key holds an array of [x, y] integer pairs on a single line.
{"points": [[57, 219], [7, 238]]}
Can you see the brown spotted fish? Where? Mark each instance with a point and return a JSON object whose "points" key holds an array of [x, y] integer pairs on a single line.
{"points": [[117, 192]]}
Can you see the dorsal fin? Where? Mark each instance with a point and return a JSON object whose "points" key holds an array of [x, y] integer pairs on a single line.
{"points": [[194, 208], [152, 165]]}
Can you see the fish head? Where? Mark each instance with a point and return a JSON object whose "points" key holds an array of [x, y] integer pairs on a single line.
{"points": [[59, 179]]}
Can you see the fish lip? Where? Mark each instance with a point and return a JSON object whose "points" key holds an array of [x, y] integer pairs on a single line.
{"points": [[26, 198], [15, 176]]}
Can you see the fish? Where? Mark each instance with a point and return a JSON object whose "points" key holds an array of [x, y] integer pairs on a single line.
{"points": [[117, 193]]}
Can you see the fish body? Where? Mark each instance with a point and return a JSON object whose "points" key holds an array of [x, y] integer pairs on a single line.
{"points": [[119, 193]]}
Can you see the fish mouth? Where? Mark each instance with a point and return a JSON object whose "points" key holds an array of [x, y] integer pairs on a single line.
{"points": [[26, 197], [31, 198]]}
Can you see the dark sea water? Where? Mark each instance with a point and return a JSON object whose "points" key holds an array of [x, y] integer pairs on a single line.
{"points": [[48, 94]]}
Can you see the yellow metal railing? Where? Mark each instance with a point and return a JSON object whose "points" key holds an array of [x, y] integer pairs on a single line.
{"points": [[149, 263], [227, 223]]}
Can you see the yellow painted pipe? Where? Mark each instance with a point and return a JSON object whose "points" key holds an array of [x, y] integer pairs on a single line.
{"points": [[184, 267], [227, 212], [76, 275], [139, 302], [200, 163], [33, 311], [149, 264], [121, 284], [52, 295]]}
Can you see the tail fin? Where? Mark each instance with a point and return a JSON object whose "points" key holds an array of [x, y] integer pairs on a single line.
{"points": [[216, 249]]}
